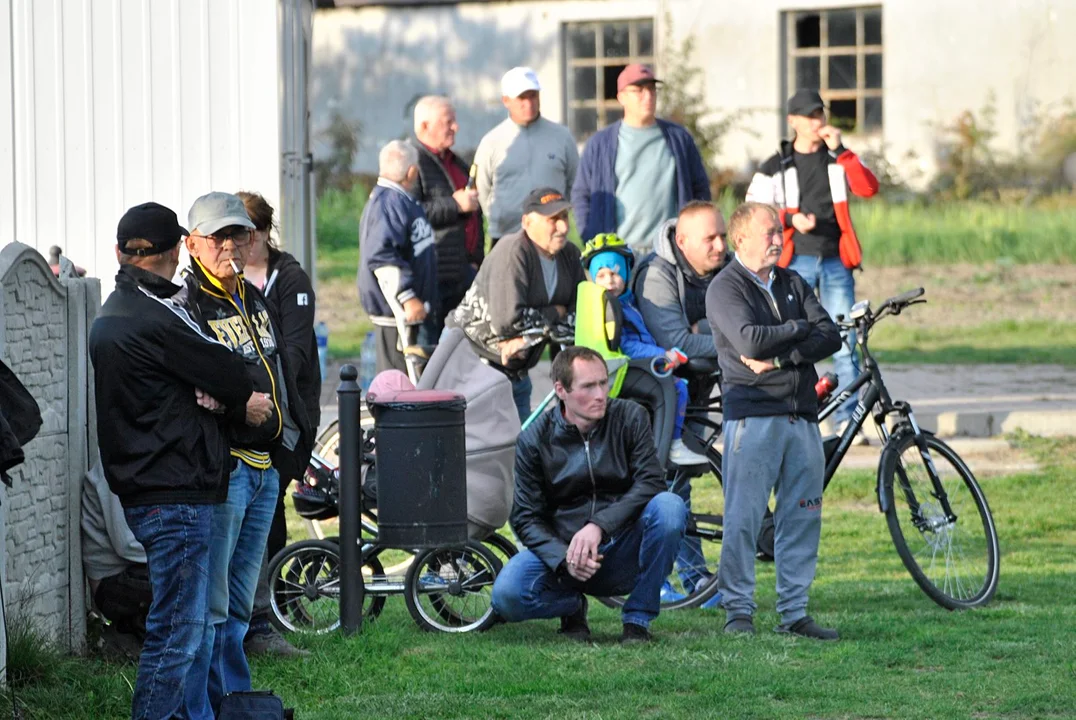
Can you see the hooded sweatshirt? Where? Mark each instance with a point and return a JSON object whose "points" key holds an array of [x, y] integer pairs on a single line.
{"points": [[291, 300], [671, 297]]}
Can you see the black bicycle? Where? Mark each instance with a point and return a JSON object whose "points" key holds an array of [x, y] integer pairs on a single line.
{"points": [[936, 511]]}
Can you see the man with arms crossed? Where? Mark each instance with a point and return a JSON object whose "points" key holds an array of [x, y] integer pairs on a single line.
{"points": [[769, 329], [163, 455]]}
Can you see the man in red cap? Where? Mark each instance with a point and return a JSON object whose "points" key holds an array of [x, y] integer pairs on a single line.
{"points": [[637, 173]]}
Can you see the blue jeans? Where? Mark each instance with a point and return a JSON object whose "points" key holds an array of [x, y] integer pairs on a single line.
{"points": [[837, 291], [636, 563], [176, 539], [690, 560], [681, 408], [521, 394], [240, 531]]}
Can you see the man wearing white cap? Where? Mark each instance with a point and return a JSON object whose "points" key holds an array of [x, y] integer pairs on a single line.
{"points": [[523, 152]]}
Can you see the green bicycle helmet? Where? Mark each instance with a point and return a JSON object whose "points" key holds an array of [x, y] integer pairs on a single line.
{"points": [[607, 242]]}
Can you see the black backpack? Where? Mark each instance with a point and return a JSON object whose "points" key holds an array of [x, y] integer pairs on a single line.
{"points": [[254, 705]]}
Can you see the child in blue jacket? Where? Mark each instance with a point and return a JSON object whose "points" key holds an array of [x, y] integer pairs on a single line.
{"points": [[609, 262]]}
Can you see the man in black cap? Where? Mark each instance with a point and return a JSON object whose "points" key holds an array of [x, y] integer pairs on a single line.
{"points": [[529, 279], [162, 449], [808, 182]]}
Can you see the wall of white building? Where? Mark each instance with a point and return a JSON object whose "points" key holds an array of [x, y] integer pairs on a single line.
{"points": [[105, 104], [941, 57]]}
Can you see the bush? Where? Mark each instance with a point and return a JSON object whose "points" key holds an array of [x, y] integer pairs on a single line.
{"points": [[338, 216]]}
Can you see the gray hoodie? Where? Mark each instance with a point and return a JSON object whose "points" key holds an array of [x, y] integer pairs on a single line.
{"points": [[108, 545], [672, 297]]}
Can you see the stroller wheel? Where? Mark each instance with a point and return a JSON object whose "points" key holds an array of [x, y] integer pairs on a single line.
{"points": [[450, 589], [304, 587]]}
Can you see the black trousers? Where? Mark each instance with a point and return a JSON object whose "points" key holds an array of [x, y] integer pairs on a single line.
{"points": [[389, 356]]}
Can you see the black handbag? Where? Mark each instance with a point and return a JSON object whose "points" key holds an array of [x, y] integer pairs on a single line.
{"points": [[254, 705]]}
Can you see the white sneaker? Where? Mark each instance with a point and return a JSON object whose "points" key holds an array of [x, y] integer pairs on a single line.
{"points": [[680, 454]]}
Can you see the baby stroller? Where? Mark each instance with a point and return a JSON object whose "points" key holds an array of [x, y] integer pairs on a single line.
{"points": [[446, 589]]}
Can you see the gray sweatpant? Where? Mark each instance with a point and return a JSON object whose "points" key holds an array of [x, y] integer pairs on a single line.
{"points": [[783, 455]]}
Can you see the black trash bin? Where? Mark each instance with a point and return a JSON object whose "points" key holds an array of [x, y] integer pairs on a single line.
{"points": [[421, 468]]}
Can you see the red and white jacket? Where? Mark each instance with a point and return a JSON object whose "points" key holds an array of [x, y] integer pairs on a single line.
{"points": [[777, 183]]}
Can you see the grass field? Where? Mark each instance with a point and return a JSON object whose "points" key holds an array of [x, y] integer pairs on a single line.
{"points": [[900, 657]]}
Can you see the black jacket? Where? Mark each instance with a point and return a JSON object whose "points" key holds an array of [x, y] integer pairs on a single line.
{"points": [[433, 190], [565, 480], [20, 420], [291, 300], [157, 445], [798, 333], [253, 336], [508, 296]]}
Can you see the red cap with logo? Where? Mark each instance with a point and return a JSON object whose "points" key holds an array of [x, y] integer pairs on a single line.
{"points": [[633, 75]]}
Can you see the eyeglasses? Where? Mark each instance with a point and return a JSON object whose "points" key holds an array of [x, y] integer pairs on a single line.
{"points": [[640, 89], [239, 238]]}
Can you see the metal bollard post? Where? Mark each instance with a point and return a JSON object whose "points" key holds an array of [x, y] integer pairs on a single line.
{"points": [[352, 588]]}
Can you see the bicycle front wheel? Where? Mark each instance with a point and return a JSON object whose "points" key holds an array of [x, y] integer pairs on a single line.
{"points": [[955, 560]]}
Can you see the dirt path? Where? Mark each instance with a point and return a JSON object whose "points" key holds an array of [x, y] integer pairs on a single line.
{"points": [[959, 295], [968, 295]]}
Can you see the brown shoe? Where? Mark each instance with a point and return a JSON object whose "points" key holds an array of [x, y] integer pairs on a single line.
{"points": [[271, 643]]}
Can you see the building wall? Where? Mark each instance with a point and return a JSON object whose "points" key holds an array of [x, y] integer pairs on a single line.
{"points": [[941, 57], [105, 104]]}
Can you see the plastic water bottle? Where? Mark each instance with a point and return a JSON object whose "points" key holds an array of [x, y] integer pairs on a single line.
{"points": [[321, 333], [367, 362]]}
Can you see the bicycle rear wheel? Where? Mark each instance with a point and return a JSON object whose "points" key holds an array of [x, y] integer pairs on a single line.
{"points": [[693, 579], [955, 562]]}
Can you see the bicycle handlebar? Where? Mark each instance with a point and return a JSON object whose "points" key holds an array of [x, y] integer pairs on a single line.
{"points": [[902, 299]]}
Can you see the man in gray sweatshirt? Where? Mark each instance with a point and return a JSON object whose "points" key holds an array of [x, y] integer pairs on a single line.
{"points": [[523, 152], [670, 283]]}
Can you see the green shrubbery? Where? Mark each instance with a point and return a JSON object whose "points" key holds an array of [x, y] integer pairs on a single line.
{"points": [[964, 232], [338, 217]]}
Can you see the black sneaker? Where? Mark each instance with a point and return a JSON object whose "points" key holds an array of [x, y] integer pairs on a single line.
{"points": [[574, 626], [740, 625], [808, 628], [635, 634]]}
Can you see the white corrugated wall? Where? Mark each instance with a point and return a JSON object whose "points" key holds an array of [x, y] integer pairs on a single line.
{"points": [[116, 102]]}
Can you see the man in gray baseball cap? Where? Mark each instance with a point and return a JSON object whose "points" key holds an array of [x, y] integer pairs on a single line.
{"points": [[236, 313], [214, 219]]}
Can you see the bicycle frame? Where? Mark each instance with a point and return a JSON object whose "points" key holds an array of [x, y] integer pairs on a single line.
{"points": [[876, 399]]}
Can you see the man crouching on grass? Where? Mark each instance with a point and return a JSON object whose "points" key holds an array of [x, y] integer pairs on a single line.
{"points": [[590, 507]]}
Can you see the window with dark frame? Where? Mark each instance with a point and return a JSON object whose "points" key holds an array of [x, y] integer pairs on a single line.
{"points": [[839, 54], [594, 55]]}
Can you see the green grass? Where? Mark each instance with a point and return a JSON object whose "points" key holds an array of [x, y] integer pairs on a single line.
{"points": [[1008, 341], [901, 656], [973, 232]]}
